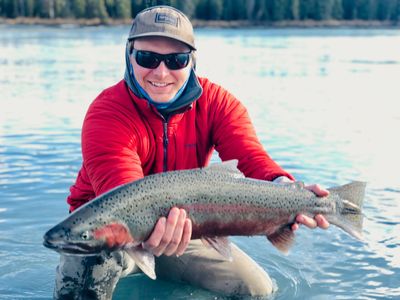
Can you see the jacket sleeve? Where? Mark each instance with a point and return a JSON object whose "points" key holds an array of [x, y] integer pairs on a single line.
{"points": [[109, 151], [234, 137]]}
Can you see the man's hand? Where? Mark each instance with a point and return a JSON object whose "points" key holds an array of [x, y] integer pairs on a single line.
{"points": [[318, 220], [170, 235]]}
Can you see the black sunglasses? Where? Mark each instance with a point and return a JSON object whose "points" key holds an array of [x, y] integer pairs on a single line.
{"points": [[151, 60]]}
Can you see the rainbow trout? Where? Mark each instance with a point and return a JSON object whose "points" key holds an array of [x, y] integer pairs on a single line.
{"points": [[220, 202]]}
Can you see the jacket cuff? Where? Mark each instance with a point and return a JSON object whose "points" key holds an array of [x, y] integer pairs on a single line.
{"points": [[282, 179]]}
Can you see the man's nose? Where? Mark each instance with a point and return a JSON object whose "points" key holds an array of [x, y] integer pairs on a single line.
{"points": [[161, 70]]}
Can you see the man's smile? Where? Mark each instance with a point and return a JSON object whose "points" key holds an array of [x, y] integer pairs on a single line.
{"points": [[159, 84]]}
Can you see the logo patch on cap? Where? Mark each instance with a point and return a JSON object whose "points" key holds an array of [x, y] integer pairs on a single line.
{"points": [[167, 19]]}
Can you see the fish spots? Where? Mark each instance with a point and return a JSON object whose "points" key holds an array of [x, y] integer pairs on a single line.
{"points": [[204, 211], [77, 221]]}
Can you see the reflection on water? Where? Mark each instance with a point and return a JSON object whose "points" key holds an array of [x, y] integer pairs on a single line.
{"points": [[324, 103]]}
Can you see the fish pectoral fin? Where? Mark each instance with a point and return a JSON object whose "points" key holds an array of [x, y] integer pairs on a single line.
{"points": [[221, 244], [144, 260], [282, 239]]}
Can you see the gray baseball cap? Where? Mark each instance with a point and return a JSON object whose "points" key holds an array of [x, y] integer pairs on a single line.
{"points": [[163, 21]]}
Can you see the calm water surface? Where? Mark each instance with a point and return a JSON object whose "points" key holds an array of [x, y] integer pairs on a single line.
{"points": [[325, 103]]}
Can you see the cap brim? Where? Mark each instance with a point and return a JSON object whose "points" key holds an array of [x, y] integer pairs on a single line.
{"points": [[162, 34]]}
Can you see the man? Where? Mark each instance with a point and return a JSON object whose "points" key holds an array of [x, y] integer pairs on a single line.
{"points": [[163, 117]]}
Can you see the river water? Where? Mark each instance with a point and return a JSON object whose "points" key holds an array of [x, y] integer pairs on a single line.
{"points": [[326, 106]]}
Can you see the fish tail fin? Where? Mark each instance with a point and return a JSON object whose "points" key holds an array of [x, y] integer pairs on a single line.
{"points": [[349, 216]]}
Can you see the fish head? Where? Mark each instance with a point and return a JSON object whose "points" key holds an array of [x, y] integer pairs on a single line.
{"points": [[68, 239]]}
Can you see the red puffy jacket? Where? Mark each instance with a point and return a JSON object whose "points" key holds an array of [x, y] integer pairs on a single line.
{"points": [[124, 138]]}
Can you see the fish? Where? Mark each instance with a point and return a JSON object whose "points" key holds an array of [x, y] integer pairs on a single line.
{"points": [[220, 202]]}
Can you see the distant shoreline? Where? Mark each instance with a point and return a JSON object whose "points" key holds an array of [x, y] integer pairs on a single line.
{"points": [[210, 23]]}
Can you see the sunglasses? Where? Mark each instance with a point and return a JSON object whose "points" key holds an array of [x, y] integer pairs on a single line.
{"points": [[151, 60]]}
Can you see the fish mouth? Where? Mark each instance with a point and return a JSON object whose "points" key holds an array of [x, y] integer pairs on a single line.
{"points": [[72, 248]]}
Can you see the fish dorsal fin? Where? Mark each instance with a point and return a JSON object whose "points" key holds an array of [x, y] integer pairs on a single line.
{"points": [[144, 260], [221, 244], [229, 166], [282, 239]]}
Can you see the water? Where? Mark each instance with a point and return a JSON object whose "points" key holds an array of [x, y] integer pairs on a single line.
{"points": [[324, 103]]}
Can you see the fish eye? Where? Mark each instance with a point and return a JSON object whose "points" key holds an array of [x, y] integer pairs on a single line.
{"points": [[85, 235]]}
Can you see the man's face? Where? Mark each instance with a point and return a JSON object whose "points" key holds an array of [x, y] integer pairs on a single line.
{"points": [[160, 83]]}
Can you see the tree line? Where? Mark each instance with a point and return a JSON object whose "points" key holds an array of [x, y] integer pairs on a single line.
{"points": [[251, 10]]}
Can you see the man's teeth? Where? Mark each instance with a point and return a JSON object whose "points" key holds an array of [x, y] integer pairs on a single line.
{"points": [[159, 84]]}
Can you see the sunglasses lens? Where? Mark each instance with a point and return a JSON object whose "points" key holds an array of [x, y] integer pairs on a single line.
{"points": [[147, 59], [177, 61], [151, 60]]}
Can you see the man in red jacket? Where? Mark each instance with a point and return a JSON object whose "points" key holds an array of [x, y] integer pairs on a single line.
{"points": [[163, 117]]}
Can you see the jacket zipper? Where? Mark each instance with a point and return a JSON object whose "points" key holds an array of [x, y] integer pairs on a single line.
{"points": [[165, 143], [165, 139]]}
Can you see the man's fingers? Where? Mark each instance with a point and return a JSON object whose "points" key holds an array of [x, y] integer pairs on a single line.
{"points": [[171, 235], [186, 236], [172, 220], [176, 238], [295, 226], [321, 221], [155, 238], [317, 221], [317, 190], [307, 221], [162, 233]]}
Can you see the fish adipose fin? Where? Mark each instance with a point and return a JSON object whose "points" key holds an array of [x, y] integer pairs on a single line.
{"points": [[349, 217], [221, 244], [144, 260], [282, 239]]}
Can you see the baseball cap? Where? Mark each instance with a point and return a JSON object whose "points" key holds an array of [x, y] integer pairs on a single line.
{"points": [[163, 21]]}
